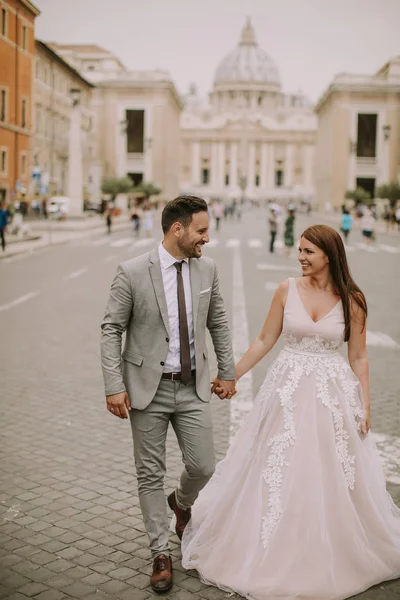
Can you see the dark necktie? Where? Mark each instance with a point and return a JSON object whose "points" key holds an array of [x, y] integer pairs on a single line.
{"points": [[186, 374]]}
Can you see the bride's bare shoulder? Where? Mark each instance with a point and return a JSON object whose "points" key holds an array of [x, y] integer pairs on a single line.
{"points": [[282, 291]]}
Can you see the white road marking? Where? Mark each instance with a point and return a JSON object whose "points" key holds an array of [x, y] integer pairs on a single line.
{"points": [[365, 247], [271, 286], [121, 242], [233, 243], [389, 450], [255, 243], [75, 274], [19, 300], [390, 249], [143, 242], [110, 258], [376, 338], [268, 267], [212, 243], [100, 242], [242, 402]]}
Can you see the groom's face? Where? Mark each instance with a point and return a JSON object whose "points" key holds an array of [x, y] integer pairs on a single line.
{"points": [[194, 236]]}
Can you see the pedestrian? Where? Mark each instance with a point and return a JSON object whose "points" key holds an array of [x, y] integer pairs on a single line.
{"points": [[148, 220], [135, 218], [273, 229], [346, 223], [288, 236], [397, 216], [109, 219], [299, 508], [218, 213], [164, 300], [3, 224], [368, 226]]}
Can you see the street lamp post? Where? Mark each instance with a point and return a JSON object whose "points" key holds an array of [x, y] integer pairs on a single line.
{"points": [[75, 176]]}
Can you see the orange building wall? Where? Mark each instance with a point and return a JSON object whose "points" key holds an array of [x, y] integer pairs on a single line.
{"points": [[16, 74]]}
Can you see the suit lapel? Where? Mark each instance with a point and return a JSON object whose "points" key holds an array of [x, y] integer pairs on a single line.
{"points": [[195, 284], [156, 277]]}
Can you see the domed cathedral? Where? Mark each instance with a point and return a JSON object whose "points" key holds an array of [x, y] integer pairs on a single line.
{"points": [[250, 139]]}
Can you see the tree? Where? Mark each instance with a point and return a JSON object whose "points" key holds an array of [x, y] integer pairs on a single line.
{"points": [[359, 195], [391, 192], [115, 186], [147, 189]]}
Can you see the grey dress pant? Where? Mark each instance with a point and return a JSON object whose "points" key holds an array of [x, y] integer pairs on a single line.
{"points": [[191, 419]]}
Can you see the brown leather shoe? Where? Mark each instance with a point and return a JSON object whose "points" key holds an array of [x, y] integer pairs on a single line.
{"points": [[182, 516], [161, 579]]}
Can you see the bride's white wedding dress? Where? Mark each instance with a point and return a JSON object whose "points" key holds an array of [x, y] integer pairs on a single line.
{"points": [[298, 509]]}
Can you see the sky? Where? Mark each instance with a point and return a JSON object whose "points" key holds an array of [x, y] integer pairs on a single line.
{"points": [[310, 40]]}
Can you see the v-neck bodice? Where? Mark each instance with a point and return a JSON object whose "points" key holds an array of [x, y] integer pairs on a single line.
{"points": [[302, 333]]}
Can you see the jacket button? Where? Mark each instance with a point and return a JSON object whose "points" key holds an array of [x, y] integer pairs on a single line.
{"points": [[167, 339], [162, 363]]}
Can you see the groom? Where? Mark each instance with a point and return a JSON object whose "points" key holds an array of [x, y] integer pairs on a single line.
{"points": [[165, 300]]}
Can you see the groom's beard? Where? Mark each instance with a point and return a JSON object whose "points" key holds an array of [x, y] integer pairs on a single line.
{"points": [[190, 249]]}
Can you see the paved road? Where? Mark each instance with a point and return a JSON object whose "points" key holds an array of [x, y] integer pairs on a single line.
{"points": [[70, 523]]}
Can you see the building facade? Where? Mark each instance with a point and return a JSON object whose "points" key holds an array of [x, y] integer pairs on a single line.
{"points": [[358, 138], [53, 106], [250, 138], [136, 118], [17, 56]]}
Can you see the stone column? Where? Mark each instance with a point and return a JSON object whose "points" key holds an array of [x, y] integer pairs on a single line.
{"points": [[214, 166], [221, 166], [271, 167], [251, 169], [264, 166], [308, 167], [288, 170], [233, 167], [196, 163], [148, 146], [75, 175]]}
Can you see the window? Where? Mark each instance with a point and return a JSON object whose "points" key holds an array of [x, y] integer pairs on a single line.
{"points": [[23, 166], [3, 22], [3, 161], [278, 178], [226, 179], [366, 136], [37, 69], [257, 180], [3, 105], [23, 115], [135, 130], [24, 36], [38, 120], [205, 176]]}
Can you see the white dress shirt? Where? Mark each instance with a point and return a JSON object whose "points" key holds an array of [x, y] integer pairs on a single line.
{"points": [[169, 277]]}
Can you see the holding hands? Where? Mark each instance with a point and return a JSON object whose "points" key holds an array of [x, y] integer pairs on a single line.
{"points": [[223, 388]]}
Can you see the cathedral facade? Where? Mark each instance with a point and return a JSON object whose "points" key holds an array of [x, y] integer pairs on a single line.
{"points": [[250, 138]]}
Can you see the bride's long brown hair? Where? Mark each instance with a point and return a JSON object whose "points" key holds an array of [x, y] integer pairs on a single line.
{"points": [[330, 242]]}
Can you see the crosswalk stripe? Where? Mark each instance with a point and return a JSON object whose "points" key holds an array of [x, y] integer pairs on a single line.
{"points": [[233, 243], [364, 246], [376, 338], [255, 243], [143, 242], [100, 242], [269, 267], [388, 248], [212, 243], [121, 242]]}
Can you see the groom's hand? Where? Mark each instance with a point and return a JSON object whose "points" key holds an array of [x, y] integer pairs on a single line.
{"points": [[223, 388], [119, 404]]}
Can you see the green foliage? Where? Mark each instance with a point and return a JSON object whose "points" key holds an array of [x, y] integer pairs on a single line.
{"points": [[359, 195], [115, 185], [391, 192], [147, 189]]}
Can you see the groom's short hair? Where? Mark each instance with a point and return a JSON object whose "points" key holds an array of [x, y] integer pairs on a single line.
{"points": [[181, 209]]}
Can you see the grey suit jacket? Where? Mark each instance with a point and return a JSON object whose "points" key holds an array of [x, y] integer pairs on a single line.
{"points": [[137, 305]]}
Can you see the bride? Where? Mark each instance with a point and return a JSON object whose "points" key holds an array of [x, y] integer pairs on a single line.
{"points": [[298, 509]]}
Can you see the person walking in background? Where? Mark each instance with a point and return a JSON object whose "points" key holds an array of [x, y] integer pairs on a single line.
{"points": [[346, 223], [368, 226], [288, 236], [108, 219], [218, 213], [148, 220], [273, 229], [3, 224]]}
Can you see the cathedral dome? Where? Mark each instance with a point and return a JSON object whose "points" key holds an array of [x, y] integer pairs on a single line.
{"points": [[247, 63]]}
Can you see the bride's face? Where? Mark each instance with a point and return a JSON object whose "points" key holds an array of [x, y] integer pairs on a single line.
{"points": [[312, 259]]}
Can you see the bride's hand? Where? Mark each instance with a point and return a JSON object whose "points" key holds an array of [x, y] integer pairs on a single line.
{"points": [[366, 423]]}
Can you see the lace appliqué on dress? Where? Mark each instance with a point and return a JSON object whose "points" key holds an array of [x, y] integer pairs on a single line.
{"points": [[310, 354]]}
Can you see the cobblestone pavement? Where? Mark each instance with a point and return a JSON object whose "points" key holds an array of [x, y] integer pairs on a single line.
{"points": [[70, 523]]}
